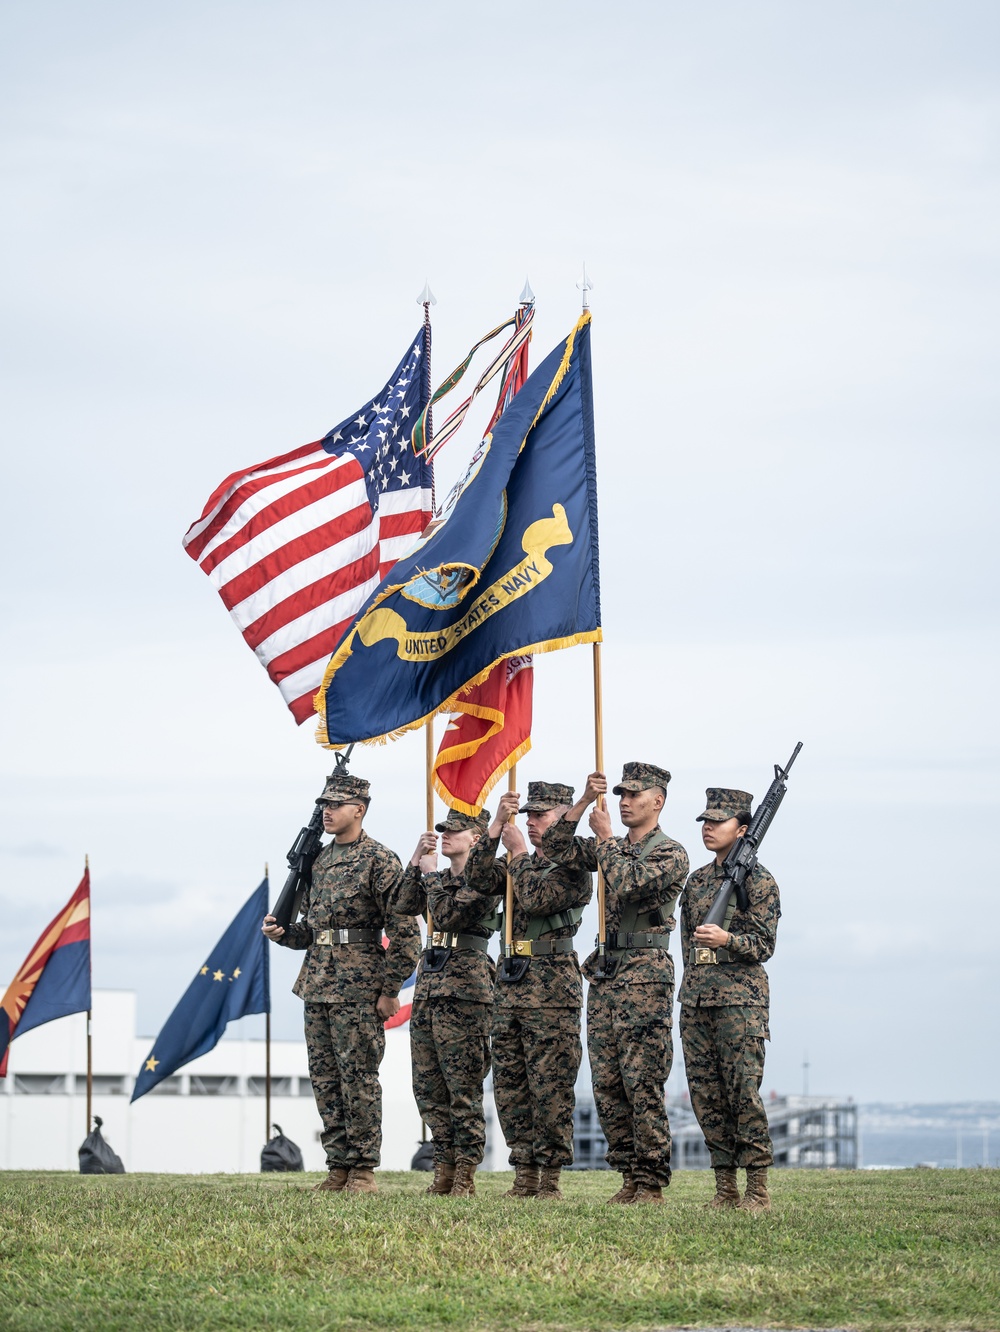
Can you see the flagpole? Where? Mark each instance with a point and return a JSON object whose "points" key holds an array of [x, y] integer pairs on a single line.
{"points": [[429, 816], [267, 1054], [426, 299], [599, 763], [90, 1052], [524, 302], [429, 796], [508, 907], [586, 286]]}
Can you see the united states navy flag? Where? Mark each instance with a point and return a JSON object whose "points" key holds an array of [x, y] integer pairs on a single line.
{"points": [[510, 566], [233, 982]]}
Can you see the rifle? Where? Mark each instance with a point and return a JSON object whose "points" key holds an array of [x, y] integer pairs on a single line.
{"points": [[741, 861], [304, 851]]}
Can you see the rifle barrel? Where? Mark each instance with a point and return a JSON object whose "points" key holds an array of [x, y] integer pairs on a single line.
{"points": [[778, 772]]}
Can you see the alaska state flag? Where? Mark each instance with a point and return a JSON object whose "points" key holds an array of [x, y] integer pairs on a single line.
{"points": [[510, 567], [233, 982], [54, 979]]}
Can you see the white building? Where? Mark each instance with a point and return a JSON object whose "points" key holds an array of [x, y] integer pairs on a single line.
{"points": [[209, 1117]]}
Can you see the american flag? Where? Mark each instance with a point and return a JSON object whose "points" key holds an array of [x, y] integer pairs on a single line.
{"points": [[297, 545]]}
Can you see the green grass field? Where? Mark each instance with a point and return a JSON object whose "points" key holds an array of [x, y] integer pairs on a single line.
{"points": [[894, 1250]]}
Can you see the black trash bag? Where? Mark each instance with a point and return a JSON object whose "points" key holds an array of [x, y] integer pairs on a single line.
{"points": [[423, 1157], [96, 1157], [280, 1153]]}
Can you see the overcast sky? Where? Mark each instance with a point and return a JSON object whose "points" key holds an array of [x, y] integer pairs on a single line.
{"points": [[218, 217]]}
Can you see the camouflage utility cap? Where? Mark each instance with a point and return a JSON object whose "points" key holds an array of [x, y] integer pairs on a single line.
{"points": [[341, 788], [640, 777], [456, 821], [546, 795], [724, 803]]}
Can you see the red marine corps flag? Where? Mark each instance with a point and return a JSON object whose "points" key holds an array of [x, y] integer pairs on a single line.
{"points": [[490, 733]]}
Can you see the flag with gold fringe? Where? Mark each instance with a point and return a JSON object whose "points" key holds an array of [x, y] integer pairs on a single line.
{"points": [[510, 567]]}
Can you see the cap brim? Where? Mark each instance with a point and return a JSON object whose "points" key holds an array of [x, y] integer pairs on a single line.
{"points": [[622, 787], [715, 816]]}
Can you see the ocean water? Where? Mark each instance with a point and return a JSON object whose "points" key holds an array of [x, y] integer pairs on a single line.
{"points": [[946, 1135]]}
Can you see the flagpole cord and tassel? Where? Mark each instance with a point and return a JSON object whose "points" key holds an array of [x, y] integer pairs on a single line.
{"points": [[427, 299]]}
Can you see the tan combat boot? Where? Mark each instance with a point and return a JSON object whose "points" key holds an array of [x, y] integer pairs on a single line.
{"points": [[525, 1182], [444, 1174], [627, 1191], [464, 1185], [334, 1181], [756, 1199], [647, 1193], [548, 1184], [361, 1180], [726, 1192]]}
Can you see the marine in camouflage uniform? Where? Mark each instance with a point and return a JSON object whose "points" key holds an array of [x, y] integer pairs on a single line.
{"points": [[537, 1002], [630, 997], [349, 983], [452, 1001], [724, 999]]}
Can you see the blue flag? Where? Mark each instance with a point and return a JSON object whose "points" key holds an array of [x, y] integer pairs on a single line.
{"points": [[510, 567], [54, 979], [233, 982]]}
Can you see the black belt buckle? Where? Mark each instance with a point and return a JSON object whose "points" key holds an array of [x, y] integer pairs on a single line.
{"points": [[436, 959], [513, 969]]}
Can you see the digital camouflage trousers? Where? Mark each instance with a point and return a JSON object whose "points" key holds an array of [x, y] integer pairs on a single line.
{"points": [[724, 1060], [631, 1048], [536, 1057], [450, 1054], [345, 1044]]}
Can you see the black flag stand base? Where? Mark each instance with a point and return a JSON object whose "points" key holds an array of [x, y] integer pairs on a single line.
{"points": [[96, 1157], [280, 1153], [423, 1157]]}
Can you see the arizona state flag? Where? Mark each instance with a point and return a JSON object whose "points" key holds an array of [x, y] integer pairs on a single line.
{"points": [[491, 733], [54, 979], [510, 568]]}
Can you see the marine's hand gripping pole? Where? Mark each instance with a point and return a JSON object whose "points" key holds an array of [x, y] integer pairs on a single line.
{"points": [[304, 851], [512, 969]]}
